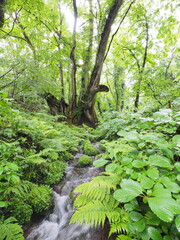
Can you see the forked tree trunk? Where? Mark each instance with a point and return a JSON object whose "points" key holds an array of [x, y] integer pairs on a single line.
{"points": [[85, 112]]}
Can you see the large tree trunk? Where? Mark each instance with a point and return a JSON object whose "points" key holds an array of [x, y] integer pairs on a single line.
{"points": [[85, 112], [2, 2]]}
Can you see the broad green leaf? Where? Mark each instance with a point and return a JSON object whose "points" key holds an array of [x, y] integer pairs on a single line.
{"points": [[146, 183], [167, 237], [152, 219], [129, 136], [177, 165], [139, 225], [99, 163], [153, 173], [178, 177], [176, 140], [168, 153], [169, 184], [139, 164], [132, 205], [126, 160], [161, 161], [113, 168], [154, 234], [177, 222], [135, 216], [130, 189], [3, 204], [162, 204]]}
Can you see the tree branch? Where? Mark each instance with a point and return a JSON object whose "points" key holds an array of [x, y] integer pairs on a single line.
{"points": [[126, 13]]}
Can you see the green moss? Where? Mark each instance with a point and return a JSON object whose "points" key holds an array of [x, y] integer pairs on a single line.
{"points": [[22, 212], [84, 161], [65, 156], [40, 198], [55, 172], [89, 149]]}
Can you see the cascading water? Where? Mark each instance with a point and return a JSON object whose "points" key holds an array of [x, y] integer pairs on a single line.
{"points": [[56, 226]]}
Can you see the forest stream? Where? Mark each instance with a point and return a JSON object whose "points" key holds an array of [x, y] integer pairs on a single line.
{"points": [[56, 225]]}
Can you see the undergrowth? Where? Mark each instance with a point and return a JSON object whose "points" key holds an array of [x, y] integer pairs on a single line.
{"points": [[139, 192]]}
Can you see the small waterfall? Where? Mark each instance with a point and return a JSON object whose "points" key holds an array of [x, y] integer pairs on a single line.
{"points": [[56, 226]]}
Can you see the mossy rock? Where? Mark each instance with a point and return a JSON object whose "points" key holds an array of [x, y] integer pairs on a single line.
{"points": [[84, 161], [90, 150], [65, 156]]}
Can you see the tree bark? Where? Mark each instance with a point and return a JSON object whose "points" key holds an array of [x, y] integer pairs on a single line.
{"points": [[85, 112], [2, 2], [74, 66]]}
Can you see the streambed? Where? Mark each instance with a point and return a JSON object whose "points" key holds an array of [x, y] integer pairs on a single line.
{"points": [[55, 226]]}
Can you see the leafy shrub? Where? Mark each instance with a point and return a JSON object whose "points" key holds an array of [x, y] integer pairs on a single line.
{"points": [[147, 190], [84, 161], [22, 211], [54, 173], [89, 149], [40, 198], [65, 156]]}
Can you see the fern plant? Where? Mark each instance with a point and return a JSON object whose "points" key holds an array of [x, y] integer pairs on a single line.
{"points": [[96, 203], [10, 230]]}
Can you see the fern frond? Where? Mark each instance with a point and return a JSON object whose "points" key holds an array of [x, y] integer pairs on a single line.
{"points": [[95, 202], [120, 225], [123, 237], [99, 188], [94, 213], [10, 230]]}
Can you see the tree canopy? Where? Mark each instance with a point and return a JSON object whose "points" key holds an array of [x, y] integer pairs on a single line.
{"points": [[65, 52]]}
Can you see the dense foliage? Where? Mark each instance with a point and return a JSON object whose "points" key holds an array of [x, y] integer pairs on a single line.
{"points": [[33, 156], [139, 192], [57, 58]]}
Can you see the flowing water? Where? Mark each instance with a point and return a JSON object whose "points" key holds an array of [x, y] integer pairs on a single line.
{"points": [[56, 226]]}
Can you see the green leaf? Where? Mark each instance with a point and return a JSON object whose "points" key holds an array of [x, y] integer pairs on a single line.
{"points": [[177, 166], [146, 183], [139, 225], [153, 173], [154, 234], [99, 163], [130, 189], [3, 204], [167, 237], [139, 164], [132, 205], [168, 153], [161, 161], [113, 168], [162, 204], [177, 222], [169, 184], [126, 160], [129, 136], [135, 216], [176, 140]]}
